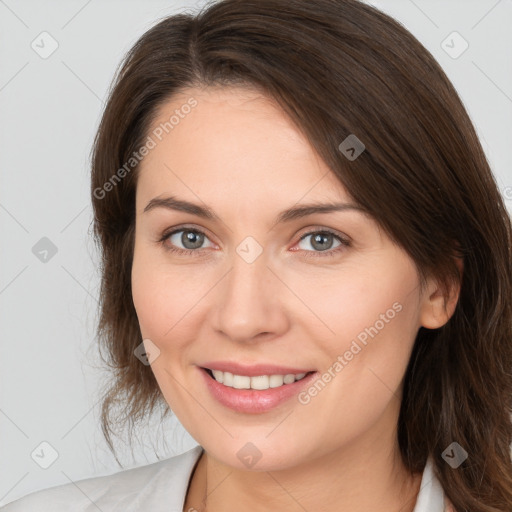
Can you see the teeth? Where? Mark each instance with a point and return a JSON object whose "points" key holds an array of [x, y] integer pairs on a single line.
{"points": [[219, 376], [240, 382], [260, 382]]}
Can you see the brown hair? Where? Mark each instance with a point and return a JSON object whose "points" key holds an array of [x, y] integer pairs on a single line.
{"points": [[340, 67]]}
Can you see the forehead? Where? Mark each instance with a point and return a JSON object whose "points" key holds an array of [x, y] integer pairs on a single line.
{"points": [[234, 143]]}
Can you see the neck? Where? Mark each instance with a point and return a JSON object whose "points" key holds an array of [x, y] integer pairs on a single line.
{"points": [[351, 479]]}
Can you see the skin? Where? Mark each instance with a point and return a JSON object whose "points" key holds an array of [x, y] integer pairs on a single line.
{"points": [[238, 153]]}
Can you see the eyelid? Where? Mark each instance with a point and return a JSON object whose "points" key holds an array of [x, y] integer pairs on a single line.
{"points": [[184, 227], [323, 229]]}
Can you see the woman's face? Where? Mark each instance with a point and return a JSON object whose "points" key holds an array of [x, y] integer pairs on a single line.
{"points": [[251, 290]]}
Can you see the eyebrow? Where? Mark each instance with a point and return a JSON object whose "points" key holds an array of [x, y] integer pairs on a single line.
{"points": [[293, 213]]}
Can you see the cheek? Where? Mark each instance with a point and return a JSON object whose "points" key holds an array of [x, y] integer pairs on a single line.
{"points": [[163, 304], [145, 294], [165, 298], [346, 304], [364, 320], [153, 295], [364, 361]]}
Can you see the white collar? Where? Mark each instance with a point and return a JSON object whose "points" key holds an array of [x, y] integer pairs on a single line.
{"points": [[431, 495]]}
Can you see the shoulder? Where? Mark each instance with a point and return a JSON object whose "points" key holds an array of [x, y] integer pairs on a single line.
{"points": [[158, 486]]}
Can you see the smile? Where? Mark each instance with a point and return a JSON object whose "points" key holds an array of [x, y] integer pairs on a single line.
{"points": [[259, 382], [254, 394]]}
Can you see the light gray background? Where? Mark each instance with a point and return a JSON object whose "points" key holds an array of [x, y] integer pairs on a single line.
{"points": [[49, 111]]}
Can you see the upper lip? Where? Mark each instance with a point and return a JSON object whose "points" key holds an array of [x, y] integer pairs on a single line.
{"points": [[252, 370]]}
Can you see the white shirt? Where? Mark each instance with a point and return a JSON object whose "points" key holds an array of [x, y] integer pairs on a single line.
{"points": [[160, 487]]}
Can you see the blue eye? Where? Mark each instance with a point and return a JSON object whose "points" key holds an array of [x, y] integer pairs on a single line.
{"points": [[323, 240], [193, 239]]}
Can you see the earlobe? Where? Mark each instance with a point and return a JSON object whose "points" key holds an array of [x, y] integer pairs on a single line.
{"points": [[438, 304]]}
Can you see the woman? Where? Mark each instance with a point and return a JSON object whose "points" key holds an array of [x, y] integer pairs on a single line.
{"points": [[306, 258]]}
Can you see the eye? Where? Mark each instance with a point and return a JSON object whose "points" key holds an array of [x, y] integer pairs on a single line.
{"points": [[191, 240], [322, 242]]}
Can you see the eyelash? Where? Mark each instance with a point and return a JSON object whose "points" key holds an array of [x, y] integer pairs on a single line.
{"points": [[344, 243]]}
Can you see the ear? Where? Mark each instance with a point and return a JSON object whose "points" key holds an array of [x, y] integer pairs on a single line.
{"points": [[438, 304]]}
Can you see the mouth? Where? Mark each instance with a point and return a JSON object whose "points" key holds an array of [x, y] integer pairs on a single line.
{"points": [[258, 382], [254, 394]]}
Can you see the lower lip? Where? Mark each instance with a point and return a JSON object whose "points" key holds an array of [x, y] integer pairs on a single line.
{"points": [[253, 401]]}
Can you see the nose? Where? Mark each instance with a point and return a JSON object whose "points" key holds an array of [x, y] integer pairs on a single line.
{"points": [[250, 302]]}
